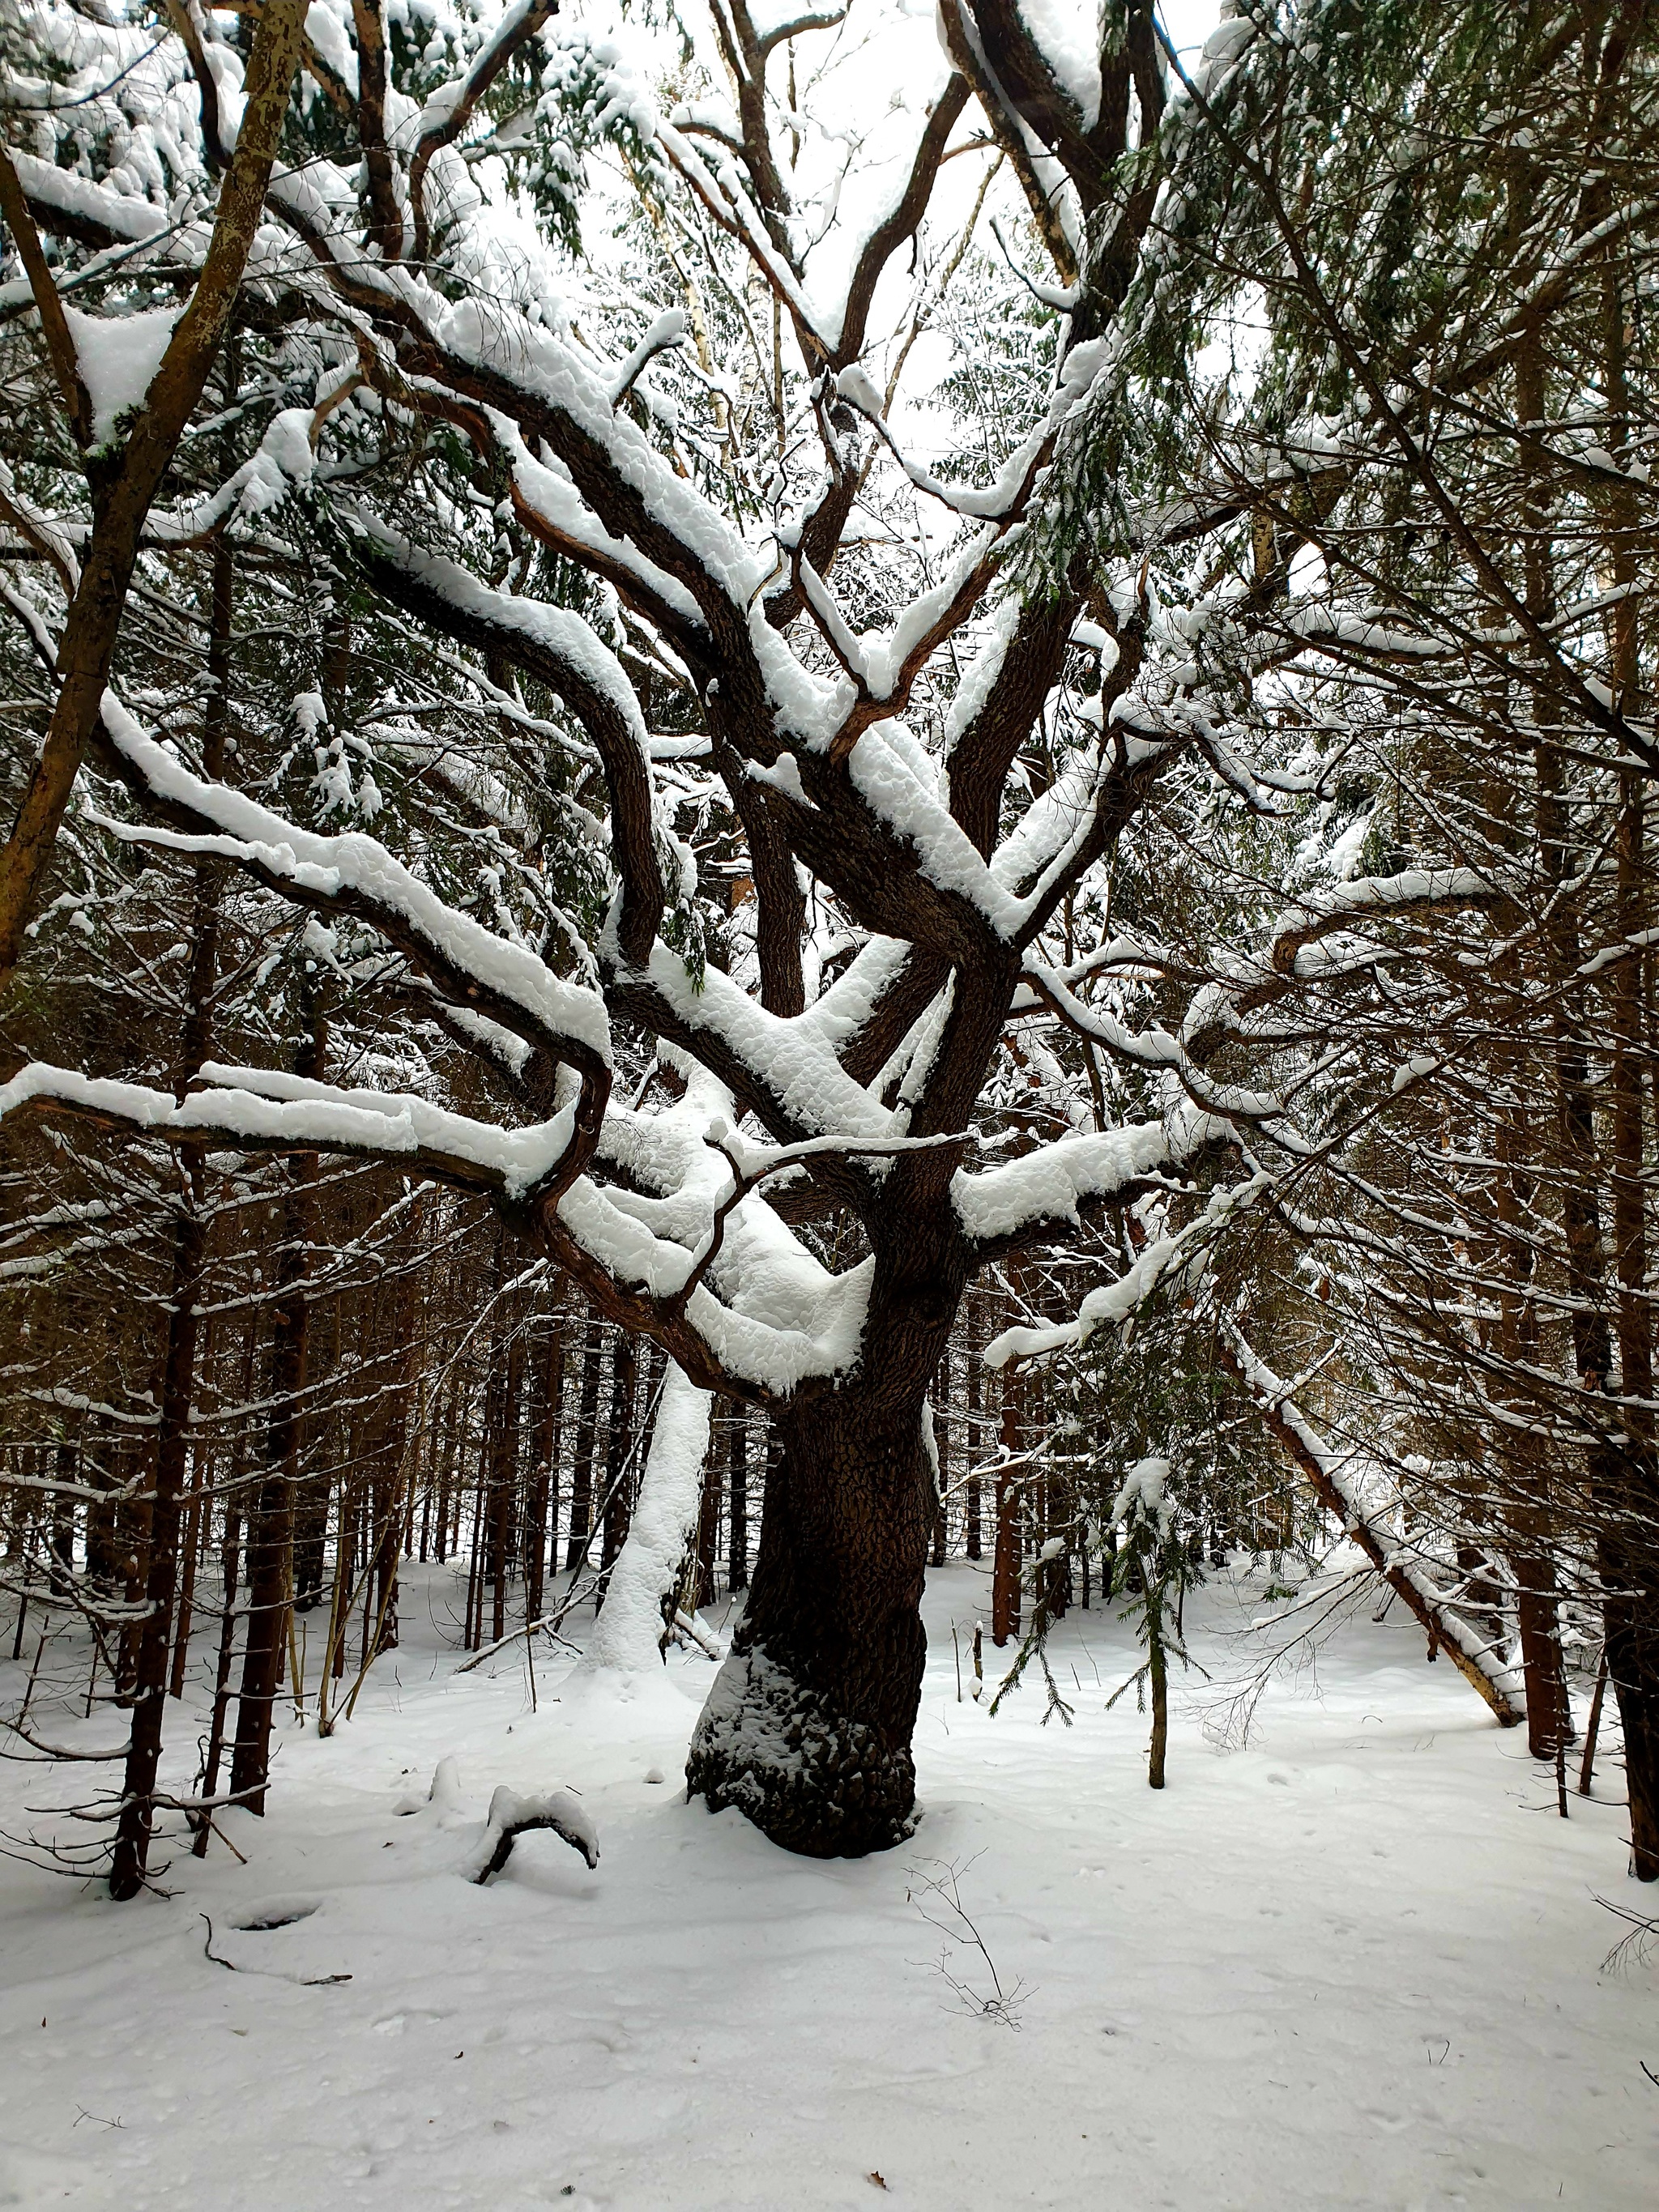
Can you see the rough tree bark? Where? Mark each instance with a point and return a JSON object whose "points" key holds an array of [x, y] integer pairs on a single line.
{"points": [[807, 1730]]}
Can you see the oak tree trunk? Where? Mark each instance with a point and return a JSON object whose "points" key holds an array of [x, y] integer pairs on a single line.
{"points": [[807, 1730]]}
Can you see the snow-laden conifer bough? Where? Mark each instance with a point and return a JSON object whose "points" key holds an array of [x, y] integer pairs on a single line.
{"points": [[914, 893]]}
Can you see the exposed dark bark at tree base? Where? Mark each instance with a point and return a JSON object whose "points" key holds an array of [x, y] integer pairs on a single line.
{"points": [[1631, 1620], [1635, 1684], [807, 1730]]}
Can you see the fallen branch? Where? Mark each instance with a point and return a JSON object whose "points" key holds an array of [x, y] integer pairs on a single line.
{"points": [[512, 1816], [1315, 1461], [269, 1973], [1637, 1946], [686, 1626]]}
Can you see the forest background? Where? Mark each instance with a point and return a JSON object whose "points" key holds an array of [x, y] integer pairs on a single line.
{"points": [[754, 840]]}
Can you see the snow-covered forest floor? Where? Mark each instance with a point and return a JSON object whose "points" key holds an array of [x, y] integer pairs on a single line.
{"points": [[1356, 1961]]}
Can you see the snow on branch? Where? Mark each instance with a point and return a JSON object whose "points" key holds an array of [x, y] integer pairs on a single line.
{"points": [[256, 1110], [670, 330], [1413, 890], [563, 651], [538, 388], [355, 874], [1003, 499], [780, 1066], [1155, 1048], [512, 1815], [1041, 1194], [1403, 1565], [1179, 1255], [451, 108]]}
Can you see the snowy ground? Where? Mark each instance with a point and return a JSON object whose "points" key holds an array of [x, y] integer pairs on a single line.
{"points": [[1355, 1963]]}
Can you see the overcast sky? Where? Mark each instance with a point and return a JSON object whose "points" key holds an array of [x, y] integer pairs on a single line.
{"points": [[1189, 22]]}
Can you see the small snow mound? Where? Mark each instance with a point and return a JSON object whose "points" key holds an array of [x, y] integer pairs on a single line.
{"points": [[277, 1912]]}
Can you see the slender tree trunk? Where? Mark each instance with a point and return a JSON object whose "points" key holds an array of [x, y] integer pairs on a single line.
{"points": [[448, 1464], [625, 1371], [335, 1446], [270, 1532], [1005, 1563], [193, 1533], [216, 1743], [1538, 1619], [314, 1497], [472, 1635], [942, 1453], [736, 1448], [500, 1452], [709, 1534], [150, 1685], [62, 1510], [544, 1478], [134, 1523], [103, 1536], [154, 1649], [1157, 1672], [581, 1466], [973, 1538], [269, 1544]]}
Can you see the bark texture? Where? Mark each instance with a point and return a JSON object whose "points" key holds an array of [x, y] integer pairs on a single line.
{"points": [[807, 1730], [1631, 1619]]}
